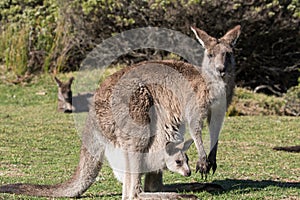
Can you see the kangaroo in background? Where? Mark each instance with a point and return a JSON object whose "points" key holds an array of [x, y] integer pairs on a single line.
{"points": [[142, 108], [68, 103], [64, 95]]}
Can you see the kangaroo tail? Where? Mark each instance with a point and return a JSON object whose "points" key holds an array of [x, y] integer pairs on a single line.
{"points": [[85, 174]]}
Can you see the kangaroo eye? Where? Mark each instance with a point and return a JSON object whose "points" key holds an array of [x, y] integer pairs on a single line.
{"points": [[178, 162]]}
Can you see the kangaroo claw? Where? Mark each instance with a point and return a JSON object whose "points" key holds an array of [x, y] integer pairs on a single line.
{"points": [[203, 167]]}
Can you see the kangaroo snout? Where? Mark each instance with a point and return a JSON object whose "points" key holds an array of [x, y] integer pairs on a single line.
{"points": [[220, 68], [187, 173]]}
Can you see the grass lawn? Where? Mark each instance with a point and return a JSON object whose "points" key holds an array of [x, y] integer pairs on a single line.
{"points": [[39, 145]]}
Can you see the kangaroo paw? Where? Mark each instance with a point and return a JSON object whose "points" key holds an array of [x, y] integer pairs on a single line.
{"points": [[203, 167]]}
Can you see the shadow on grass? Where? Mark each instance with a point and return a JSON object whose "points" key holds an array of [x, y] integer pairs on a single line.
{"points": [[177, 188], [250, 185], [193, 187], [101, 196], [217, 187], [223, 186]]}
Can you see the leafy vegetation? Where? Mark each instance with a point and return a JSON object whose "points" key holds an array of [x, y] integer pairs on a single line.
{"points": [[27, 33], [56, 36], [247, 102], [40, 145], [292, 98]]}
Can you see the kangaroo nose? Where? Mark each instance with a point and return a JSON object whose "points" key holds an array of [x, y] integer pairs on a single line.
{"points": [[220, 67], [68, 111], [188, 173]]}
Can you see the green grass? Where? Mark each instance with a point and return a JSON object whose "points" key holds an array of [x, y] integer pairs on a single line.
{"points": [[40, 145]]}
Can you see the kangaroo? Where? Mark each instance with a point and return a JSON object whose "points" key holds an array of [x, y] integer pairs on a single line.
{"points": [[218, 55], [68, 103], [173, 158], [64, 95], [141, 108]]}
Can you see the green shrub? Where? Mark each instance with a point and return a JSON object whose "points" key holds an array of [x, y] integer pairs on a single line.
{"points": [[63, 32], [246, 102], [27, 33], [292, 98], [15, 49]]}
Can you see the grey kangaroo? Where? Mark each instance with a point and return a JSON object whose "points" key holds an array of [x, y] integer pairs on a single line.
{"points": [[68, 103], [64, 95], [141, 109]]}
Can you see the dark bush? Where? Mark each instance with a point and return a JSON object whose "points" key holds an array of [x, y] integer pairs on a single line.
{"points": [[267, 54]]}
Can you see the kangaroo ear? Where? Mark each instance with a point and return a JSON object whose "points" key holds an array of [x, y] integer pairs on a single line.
{"points": [[71, 80], [59, 83], [231, 36], [205, 40], [170, 148], [187, 144]]}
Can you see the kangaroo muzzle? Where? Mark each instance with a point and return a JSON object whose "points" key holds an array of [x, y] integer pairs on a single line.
{"points": [[186, 171]]}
